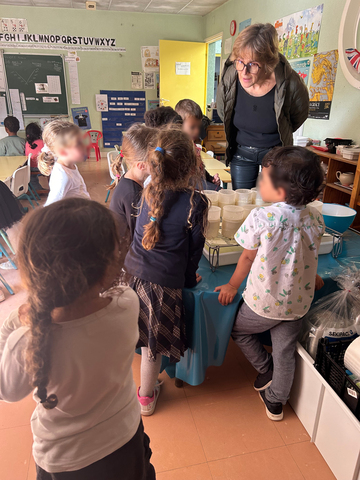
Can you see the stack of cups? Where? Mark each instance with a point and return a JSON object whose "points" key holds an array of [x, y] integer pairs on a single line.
{"points": [[243, 196], [212, 230], [213, 196], [226, 197], [232, 218]]}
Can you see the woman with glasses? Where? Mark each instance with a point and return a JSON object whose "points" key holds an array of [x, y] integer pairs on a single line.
{"points": [[261, 100]]}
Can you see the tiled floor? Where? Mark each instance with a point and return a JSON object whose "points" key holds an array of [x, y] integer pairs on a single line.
{"points": [[216, 431]]}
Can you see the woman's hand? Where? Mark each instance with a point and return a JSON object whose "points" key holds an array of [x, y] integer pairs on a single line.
{"points": [[198, 278], [227, 293]]}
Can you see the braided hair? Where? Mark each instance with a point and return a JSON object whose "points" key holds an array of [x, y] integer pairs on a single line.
{"points": [[65, 249]]}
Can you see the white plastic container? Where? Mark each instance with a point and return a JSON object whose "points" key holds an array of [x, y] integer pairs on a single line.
{"points": [[226, 197], [243, 196], [213, 196], [232, 218], [316, 204], [254, 192], [213, 227]]}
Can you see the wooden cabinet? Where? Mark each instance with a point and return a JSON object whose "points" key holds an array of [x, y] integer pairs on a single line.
{"points": [[334, 193], [215, 134]]}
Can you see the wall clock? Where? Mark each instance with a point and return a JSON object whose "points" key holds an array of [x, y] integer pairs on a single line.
{"points": [[233, 28]]}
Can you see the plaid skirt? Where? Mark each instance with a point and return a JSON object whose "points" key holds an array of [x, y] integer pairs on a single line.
{"points": [[161, 319]]}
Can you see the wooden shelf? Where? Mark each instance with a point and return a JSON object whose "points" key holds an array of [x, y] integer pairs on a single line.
{"points": [[339, 187], [333, 156]]}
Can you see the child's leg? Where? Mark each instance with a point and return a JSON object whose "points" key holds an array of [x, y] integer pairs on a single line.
{"points": [[150, 370], [283, 337], [247, 325]]}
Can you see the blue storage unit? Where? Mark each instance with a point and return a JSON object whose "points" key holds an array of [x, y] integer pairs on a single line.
{"points": [[125, 108]]}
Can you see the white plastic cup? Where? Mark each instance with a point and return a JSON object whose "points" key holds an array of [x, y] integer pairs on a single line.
{"points": [[254, 192], [226, 197], [233, 217], [243, 196], [316, 204], [213, 196], [213, 227]]}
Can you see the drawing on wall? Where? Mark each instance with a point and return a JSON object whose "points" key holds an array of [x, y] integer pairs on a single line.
{"points": [[150, 59], [149, 80], [298, 33], [136, 80], [152, 104], [302, 67], [321, 89], [81, 117], [244, 24]]}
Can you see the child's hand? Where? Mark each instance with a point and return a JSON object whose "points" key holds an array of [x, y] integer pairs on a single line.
{"points": [[216, 180], [227, 293], [319, 282], [198, 278]]}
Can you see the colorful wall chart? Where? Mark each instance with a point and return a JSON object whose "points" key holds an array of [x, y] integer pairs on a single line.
{"points": [[322, 84], [302, 67], [124, 109], [299, 33]]}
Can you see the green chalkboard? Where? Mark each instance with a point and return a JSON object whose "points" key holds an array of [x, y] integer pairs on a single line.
{"points": [[40, 95]]}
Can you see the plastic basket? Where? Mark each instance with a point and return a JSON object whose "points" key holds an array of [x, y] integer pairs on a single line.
{"points": [[330, 364]]}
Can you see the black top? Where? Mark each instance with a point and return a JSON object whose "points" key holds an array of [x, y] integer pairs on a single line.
{"points": [[124, 201], [175, 258], [255, 120]]}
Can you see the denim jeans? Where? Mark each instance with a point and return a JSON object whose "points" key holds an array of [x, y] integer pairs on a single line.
{"points": [[245, 169]]}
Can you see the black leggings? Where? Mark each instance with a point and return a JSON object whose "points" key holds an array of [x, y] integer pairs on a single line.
{"points": [[130, 462]]}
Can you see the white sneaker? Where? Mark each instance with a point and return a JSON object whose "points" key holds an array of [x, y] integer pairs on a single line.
{"points": [[148, 404], [2, 296]]}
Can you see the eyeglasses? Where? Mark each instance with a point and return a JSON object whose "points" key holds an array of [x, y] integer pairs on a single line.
{"points": [[250, 67]]}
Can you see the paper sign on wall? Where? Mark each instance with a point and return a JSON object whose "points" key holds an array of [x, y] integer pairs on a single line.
{"points": [[81, 117], [302, 67], [244, 24], [228, 46], [182, 68], [149, 80], [74, 83], [101, 101], [2, 74], [16, 106], [3, 109], [150, 60], [13, 25], [136, 80]]}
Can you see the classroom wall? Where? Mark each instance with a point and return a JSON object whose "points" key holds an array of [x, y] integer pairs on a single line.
{"points": [[105, 70], [345, 109]]}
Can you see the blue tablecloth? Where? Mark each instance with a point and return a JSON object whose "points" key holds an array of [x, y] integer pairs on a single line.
{"points": [[209, 324]]}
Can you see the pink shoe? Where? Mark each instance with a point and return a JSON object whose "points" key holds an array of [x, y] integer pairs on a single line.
{"points": [[148, 404]]}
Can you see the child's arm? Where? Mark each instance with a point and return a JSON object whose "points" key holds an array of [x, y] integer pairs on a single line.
{"points": [[228, 291], [14, 381], [319, 282], [196, 245]]}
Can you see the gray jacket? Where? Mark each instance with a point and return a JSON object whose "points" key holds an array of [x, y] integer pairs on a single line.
{"points": [[291, 103]]}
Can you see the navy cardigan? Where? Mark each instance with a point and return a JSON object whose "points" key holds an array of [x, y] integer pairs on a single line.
{"points": [[175, 258]]}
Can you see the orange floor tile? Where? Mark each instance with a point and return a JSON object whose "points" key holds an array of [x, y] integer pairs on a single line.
{"points": [[216, 431]]}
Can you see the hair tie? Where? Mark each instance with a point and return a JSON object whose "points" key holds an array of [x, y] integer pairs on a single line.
{"points": [[152, 219], [161, 150], [118, 176], [121, 154]]}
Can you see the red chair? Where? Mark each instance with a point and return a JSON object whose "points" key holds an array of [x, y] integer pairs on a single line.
{"points": [[93, 136]]}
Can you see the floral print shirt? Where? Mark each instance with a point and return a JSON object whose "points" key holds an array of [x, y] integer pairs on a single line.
{"points": [[281, 281]]}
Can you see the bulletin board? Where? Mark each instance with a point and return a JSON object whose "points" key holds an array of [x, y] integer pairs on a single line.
{"points": [[124, 109], [40, 81]]}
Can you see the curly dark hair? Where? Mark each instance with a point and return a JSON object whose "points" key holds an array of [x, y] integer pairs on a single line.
{"points": [[298, 171], [64, 250], [12, 124], [158, 117], [33, 133]]}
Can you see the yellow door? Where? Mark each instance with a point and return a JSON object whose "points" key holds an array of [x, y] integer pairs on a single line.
{"points": [[175, 87]]}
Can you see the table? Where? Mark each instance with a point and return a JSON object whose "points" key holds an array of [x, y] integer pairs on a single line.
{"points": [[211, 163], [8, 165], [209, 324]]}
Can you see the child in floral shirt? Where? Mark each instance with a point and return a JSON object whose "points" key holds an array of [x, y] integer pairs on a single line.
{"points": [[280, 257]]}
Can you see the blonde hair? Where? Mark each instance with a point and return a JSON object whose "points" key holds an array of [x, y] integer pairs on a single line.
{"points": [[261, 39], [135, 146], [171, 163], [58, 132]]}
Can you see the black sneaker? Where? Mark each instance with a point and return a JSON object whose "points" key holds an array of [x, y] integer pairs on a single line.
{"points": [[273, 410], [263, 381]]}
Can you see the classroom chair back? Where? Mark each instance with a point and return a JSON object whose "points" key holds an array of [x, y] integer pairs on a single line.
{"points": [[93, 136], [20, 183]]}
